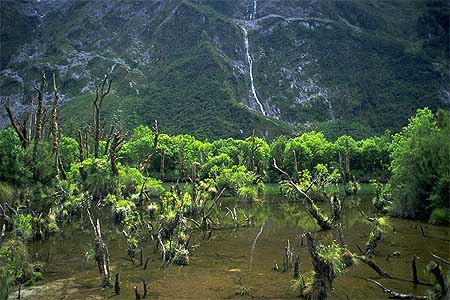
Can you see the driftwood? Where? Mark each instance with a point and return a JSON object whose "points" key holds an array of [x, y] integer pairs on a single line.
{"points": [[395, 295]]}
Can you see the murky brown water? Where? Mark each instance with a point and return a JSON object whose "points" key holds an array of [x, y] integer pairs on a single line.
{"points": [[220, 267]]}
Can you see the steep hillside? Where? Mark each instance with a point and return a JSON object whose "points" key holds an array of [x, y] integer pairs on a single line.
{"points": [[219, 68]]}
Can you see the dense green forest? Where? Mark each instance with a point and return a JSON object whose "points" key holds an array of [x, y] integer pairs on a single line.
{"points": [[49, 181]]}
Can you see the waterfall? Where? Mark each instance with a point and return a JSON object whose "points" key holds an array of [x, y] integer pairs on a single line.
{"points": [[330, 109], [250, 70], [253, 14]]}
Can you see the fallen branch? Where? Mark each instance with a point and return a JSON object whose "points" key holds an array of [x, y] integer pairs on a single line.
{"points": [[396, 295], [374, 266]]}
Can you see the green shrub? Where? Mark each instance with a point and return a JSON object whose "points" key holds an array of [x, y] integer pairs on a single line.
{"points": [[440, 216]]}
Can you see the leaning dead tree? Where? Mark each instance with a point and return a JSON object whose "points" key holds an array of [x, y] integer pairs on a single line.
{"points": [[152, 154], [101, 253], [396, 295], [313, 210], [22, 130], [100, 93]]}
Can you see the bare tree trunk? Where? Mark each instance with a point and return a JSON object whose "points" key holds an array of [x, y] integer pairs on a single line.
{"points": [[54, 127], [322, 220], [100, 94], [101, 254], [21, 130], [39, 117], [161, 166], [194, 181], [323, 272]]}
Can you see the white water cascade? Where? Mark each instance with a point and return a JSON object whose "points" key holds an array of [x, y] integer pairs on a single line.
{"points": [[252, 15], [250, 61], [250, 71], [330, 110]]}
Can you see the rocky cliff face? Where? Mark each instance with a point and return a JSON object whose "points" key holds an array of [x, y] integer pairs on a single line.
{"points": [[221, 67]]}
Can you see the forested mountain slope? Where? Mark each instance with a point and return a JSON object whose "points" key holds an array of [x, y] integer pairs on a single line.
{"points": [[217, 68]]}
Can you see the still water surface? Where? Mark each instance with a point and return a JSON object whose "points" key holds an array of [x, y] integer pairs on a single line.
{"points": [[224, 265]]}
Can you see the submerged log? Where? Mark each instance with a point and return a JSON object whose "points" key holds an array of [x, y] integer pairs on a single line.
{"points": [[136, 293], [395, 295], [117, 285], [374, 266], [145, 285], [414, 271], [146, 263], [297, 267], [435, 269]]}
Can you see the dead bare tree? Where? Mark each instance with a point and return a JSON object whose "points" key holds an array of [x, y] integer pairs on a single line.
{"points": [[100, 93], [322, 220], [101, 253], [55, 129], [324, 273], [21, 129], [39, 116]]}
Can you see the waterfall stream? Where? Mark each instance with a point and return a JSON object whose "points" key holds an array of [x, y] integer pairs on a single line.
{"points": [[250, 71], [250, 60]]}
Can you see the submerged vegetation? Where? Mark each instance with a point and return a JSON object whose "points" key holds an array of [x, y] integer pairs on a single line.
{"points": [[49, 180]]}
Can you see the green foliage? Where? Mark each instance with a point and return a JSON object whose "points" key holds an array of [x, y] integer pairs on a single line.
{"points": [[440, 216], [420, 164], [332, 253], [15, 266], [382, 195], [13, 166], [6, 192], [68, 151], [23, 227]]}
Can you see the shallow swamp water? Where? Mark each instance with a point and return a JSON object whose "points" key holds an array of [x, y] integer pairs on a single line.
{"points": [[225, 267]]}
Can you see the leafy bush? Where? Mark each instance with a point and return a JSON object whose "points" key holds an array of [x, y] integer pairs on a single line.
{"points": [[440, 216], [420, 165]]}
